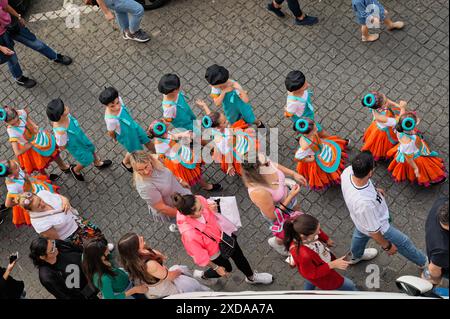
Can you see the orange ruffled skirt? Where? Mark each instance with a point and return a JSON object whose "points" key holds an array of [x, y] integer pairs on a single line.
{"points": [[316, 177], [431, 169], [191, 176], [378, 142], [32, 161]]}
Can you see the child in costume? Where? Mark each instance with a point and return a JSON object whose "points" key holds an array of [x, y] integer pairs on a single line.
{"points": [[176, 110], [229, 94], [34, 148], [320, 160], [18, 182], [122, 127], [71, 137], [179, 158], [380, 136], [412, 158], [369, 14], [232, 144], [299, 103]]}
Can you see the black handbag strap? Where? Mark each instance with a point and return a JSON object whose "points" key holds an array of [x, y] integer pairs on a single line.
{"points": [[213, 239]]}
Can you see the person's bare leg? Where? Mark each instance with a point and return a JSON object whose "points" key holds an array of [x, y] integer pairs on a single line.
{"points": [[127, 160], [366, 36], [151, 147], [205, 185], [393, 25], [77, 169], [61, 163], [323, 134], [97, 161]]}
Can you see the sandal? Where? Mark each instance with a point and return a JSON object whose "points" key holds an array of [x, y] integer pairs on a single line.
{"points": [[215, 188], [130, 169]]}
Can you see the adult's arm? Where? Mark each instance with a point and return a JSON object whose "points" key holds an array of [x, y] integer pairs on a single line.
{"points": [[164, 209], [103, 7], [159, 271]]}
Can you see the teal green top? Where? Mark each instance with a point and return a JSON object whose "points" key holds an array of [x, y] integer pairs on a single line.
{"points": [[113, 287]]}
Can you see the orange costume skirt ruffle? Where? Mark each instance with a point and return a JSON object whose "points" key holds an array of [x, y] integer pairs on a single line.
{"points": [[191, 176], [316, 177], [224, 161], [378, 142], [32, 161], [20, 215], [431, 169]]}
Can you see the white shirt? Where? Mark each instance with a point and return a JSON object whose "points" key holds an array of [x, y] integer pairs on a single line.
{"points": [[297, 107], [368, 208], [64, 223]]}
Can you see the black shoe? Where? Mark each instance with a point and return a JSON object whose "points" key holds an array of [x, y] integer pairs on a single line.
{"points": [[261, 125], [130, 169], [307, 20], [53, 177], [26, 82], [63, 59], [106, 163], [139, 36], [78, 177], [66, 171], [215, 188], [277, 11]]}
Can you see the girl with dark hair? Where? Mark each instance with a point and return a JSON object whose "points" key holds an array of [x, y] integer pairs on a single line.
{"points": [[380, 136], [309, 247], [178, 157], [34, 148], [102, 273], [209, 239], [412, 158], [231, 144], [269, 191], [146, 266], [18, 182], [320, 160]]}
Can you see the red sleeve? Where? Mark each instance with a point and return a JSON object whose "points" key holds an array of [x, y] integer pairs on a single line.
{"points": [[323, 237], [310, 269]]}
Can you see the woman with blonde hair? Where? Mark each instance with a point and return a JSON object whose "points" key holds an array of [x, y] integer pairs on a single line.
{"points": [[156, 185]]}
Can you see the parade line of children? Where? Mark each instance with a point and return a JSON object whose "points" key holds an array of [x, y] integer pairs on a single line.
{"points": [[227, 139]]}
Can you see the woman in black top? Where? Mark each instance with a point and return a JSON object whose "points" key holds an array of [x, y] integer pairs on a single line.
{"points": [[60, 272]]}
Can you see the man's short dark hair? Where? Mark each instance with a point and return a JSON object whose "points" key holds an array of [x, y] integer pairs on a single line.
{"points": [[108, 95], [443, 214], [55, 109], [362, 164]]}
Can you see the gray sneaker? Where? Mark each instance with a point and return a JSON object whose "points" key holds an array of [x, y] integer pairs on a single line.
{"points": [[139, 36]]}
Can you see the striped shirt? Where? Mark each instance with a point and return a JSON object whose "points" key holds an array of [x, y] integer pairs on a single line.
{"points": [[368, 208]]}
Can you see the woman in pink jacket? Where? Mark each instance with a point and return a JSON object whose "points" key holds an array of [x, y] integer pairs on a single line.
{"points": [[209, 239]]}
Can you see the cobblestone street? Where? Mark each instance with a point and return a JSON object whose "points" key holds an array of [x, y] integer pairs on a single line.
{"points": [[259, 49]]}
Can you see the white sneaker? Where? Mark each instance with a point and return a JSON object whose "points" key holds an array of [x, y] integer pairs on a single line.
{"points": [[198, 274], [173, 228], [369, 254], [277, 247], [260, 278], [110, 246]]}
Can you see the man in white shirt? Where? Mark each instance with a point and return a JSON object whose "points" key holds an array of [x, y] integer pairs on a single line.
{"points": [[370, 214]]}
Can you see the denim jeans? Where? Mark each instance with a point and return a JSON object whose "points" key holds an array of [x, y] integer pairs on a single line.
{"points": [[347, 285], [405, 246], [129, 13], [27, 38]]}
